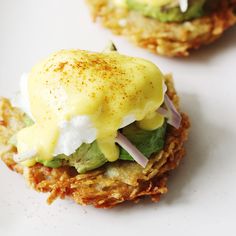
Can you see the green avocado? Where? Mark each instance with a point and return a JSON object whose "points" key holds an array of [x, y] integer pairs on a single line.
{"points": [[168, 12], [87, 157], [55, 163], [148, 142]]}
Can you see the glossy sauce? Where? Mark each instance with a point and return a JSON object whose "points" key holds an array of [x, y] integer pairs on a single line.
{"points": [[104, 86]]}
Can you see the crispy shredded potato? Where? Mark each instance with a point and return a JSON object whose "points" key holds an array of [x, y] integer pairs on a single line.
{"points": [[169, 39], [106, 186]]}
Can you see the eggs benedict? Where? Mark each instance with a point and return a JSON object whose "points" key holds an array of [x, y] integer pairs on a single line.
{"points": [[93, 123], [166, 27]]}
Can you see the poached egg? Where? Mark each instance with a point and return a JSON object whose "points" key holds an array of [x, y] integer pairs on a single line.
{"points": [[77, 97]]}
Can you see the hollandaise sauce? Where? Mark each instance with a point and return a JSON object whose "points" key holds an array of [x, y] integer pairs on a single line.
{"points": [[106, 87]]}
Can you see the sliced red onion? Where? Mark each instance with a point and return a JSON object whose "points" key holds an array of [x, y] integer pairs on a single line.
{"points": [[132, 150], [173, 116], [162, 111]]}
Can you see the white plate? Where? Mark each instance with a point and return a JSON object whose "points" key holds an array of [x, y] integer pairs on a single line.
{"points": [[202, 193]]}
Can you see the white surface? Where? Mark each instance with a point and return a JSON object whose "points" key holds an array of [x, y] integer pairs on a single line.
{"points": [[202, 193]]}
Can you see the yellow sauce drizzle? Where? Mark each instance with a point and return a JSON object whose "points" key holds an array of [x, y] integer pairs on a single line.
{"points": [[105, 86]]}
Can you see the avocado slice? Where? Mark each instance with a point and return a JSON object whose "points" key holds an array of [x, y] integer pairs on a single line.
{"points": [[168, 12], [148, 142], [55, 163], [87, 157]]}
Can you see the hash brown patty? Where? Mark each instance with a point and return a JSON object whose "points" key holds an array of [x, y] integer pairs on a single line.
{"points": [[169, 39], [106, 186]]}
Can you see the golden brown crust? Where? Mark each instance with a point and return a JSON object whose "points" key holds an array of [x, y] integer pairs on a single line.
{"points": [[169, 39], [107, 186]]}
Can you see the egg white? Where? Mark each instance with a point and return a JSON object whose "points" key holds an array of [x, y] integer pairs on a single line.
{"points": [[183, 4]]}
